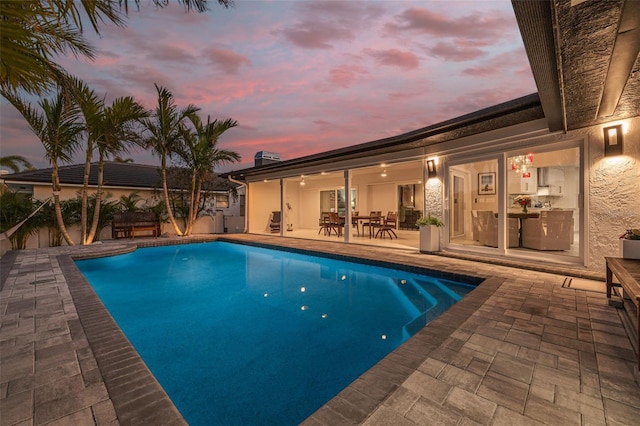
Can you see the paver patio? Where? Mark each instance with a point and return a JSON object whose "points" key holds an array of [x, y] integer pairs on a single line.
{"points": [[520, 349]]}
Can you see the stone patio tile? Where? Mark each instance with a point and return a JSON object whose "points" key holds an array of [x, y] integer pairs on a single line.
{"points": [[614, 366], [616, 340], [537, 356], [69, 404], [619, 413], [548, 413], [572, 325], [427, 387], [505, 417], [522, 338], [16, 408], [569, 343], [472, 406], [490, 345], [543, 390], [385, 417], [624, 390], [578, 401], [478, 366], [517, 314], [432, 367], [560, 351], [495, 332], [504, 391], [460, 378], [557, 377], [561, 331], [103, 412], [528, 326], [425, 412], [625, 354], [608, 328], [354, 413], [512, 367], [401, 400], [82, 417], [58, 388]]}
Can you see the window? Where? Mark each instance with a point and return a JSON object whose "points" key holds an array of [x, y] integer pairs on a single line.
{"points": [[222, 201]]}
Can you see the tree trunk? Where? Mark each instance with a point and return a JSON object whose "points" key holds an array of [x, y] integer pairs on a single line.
{"points": [[192, 206], [165, 189], [96, 210], [85, 195], [56, 203]]}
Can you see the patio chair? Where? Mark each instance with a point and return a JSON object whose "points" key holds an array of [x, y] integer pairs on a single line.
{"points": [[388, 225], [551, 231], [354, 222], [335, 223], [375, 217], [324, 223], [274, 221]]}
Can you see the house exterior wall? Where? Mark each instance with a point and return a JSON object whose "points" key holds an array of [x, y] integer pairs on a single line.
{"points": [[610, 202]]}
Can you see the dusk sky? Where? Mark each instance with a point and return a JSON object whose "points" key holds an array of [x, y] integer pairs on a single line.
{"points": [[303, 77]]}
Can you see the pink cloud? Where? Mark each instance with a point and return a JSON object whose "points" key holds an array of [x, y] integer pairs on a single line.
{"points": [[455, 52], [395, 57], [226, 60], [475, 25], [345, 75], [323, 23], [172, 53]]}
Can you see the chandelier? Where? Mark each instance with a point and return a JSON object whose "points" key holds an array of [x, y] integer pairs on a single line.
{"points": [[521, 163]]}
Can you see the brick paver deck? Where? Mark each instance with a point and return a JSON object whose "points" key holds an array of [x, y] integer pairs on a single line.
{"points": [[520, 349]]}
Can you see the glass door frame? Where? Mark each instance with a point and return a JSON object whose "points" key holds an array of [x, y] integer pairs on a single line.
{"points": [[499, 158], [501, 155]]}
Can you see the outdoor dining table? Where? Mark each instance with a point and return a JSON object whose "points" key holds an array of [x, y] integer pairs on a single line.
{"points": [[360, 218]]}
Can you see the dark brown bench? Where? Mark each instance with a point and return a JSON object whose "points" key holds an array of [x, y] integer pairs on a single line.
{"points": [[132, 224], [627, 271]]}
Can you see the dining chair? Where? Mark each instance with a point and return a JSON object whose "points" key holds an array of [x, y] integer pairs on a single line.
{"points": [[388, 225], [324, 223], [354, 222], [374, 219], [335, 223]]}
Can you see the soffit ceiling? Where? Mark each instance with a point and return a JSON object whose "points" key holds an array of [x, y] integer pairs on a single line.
{"points": [[584, 57]]}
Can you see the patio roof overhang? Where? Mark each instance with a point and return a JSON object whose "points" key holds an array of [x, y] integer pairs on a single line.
{"points": [[584, 58]]}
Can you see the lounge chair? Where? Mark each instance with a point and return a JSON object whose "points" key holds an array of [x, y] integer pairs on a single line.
{"points": [[274, 222]]}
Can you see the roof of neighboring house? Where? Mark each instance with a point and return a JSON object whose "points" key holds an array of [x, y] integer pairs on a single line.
{"points": [[584, 56], [127, 175]]}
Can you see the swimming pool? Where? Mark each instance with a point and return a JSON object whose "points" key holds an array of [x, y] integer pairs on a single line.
{"points": [[244, 335]]}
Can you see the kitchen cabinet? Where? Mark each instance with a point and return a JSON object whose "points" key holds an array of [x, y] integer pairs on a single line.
{"points": [[551, 181], [524, 185]]}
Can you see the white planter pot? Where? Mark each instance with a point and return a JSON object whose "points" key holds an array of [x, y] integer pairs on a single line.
{"points": [[429, 239], [630, 249]]}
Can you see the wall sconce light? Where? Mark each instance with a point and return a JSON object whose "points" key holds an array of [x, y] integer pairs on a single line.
{"points": [[431, 169], [302, 182], [613, 140], [384, 173]]}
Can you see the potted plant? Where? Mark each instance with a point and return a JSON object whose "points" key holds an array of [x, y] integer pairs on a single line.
{"points": [[630, 244], [429, 233]]}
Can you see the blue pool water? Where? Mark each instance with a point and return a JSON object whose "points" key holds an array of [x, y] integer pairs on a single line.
{"points": [[244, 335]]}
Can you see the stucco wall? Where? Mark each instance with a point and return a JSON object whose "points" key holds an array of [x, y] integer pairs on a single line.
{"points": [[614, 195]]}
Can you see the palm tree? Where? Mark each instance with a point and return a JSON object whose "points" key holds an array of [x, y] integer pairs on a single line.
{"points": [[120, 132], [35, 32], [201, 154], [57, 126], [112, 131], [15, 163], [165, 133]]}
